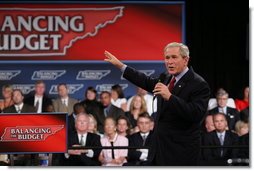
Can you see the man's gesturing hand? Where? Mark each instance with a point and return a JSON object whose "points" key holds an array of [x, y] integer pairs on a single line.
{"points": [[162, 89], [113, 60]]}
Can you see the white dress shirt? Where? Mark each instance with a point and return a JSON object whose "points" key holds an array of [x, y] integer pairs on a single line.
{"points": [[65, 101], [38, 98], [89, 153], [144, 152], [19, 107]]}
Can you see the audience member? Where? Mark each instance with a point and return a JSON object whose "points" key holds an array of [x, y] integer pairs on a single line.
{"points": [[92, 127], [64, 103], [140, 139], [83, 157], [107, 110], [90, 103], [137, 106], [39, 100], [220, 137], [113, 157], [117, 97], [7, 97], [243, 103], [123, 126], [241, 128], [151, 103], [244, 115], [19, 106], [231, 114]]}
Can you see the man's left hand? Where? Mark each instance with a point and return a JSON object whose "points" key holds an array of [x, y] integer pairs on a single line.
{"points": [[162, 89]]}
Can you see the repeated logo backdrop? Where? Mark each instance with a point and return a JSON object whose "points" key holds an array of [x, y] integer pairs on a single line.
{"points": [[77, 76]]}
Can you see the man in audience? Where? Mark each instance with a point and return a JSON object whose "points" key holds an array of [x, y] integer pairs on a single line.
{"points": [[64, 103], [151, 103], [220, 137], [39, 100], [19, 106], [231, 114], [107, 110], [83, 157], [140, 139]]}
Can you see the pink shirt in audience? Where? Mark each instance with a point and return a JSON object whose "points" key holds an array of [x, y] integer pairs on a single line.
{"points": [[107, 153]]}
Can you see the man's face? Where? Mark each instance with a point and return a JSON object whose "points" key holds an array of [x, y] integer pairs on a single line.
{"points": [[144, 124], [17, 97], [105, 99], [220, 123], [82, 123], [62, 91], [174, 62], [222, 100], [40, 89]]}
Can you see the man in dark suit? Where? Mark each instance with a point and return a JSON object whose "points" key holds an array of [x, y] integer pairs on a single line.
{"points": [[137, 157], [87, 157], [182, 99], [39, 100], [106, 110], [220, 137], [19, 106], [232, 114]]}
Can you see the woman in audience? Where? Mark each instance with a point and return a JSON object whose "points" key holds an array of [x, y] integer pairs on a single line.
{"points": [[90, 103], [92, 126], [113, 157], [123, 126], [137, 106], [241, 128], [7, 97], [243, 103], [117, 97]]}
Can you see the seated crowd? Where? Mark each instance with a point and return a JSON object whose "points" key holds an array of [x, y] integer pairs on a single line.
{"points": [[112, 120]]}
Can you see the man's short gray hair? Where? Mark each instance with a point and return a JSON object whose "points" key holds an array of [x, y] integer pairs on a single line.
{"points": [[184, 50], [221, 92]]}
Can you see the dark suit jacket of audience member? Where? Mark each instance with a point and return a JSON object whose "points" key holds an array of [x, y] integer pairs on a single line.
{"points": [[92, 140], [232, 116], [71, 124], [214, 154], [114, 112], [131, 118], [25, 109], [244, 141], [45, 102], [91, 106], [136, 140]]}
